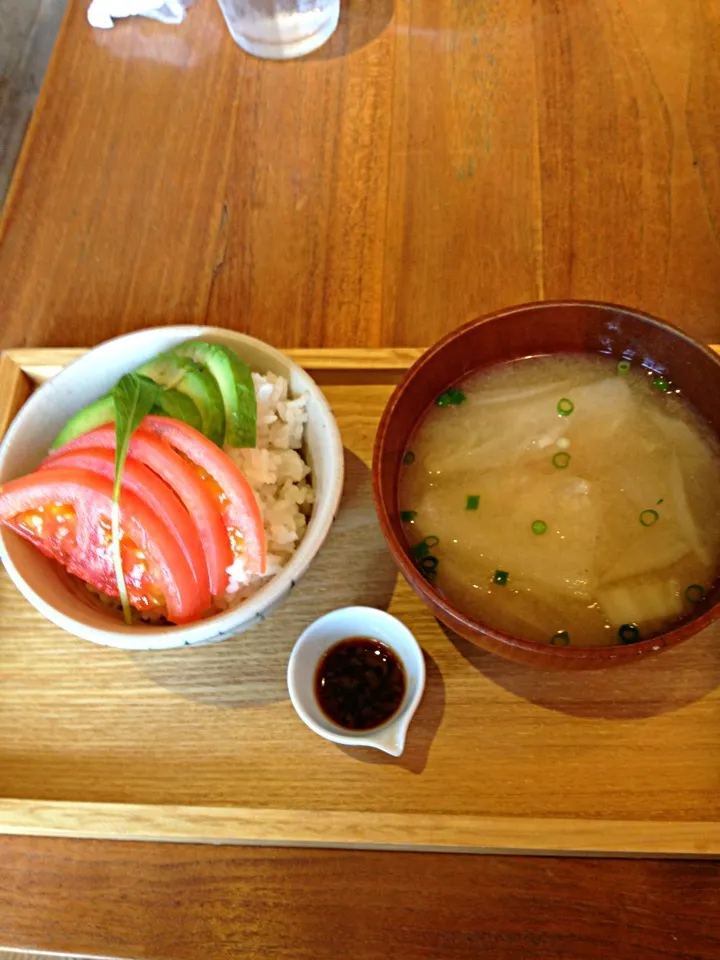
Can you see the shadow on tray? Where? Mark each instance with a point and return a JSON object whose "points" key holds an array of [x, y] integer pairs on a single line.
{"points": [[354, 567], [661, 684]]}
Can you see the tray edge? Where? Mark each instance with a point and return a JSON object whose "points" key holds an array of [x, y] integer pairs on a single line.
{"points": [[352, 829], [22, 369], [40, 363]]}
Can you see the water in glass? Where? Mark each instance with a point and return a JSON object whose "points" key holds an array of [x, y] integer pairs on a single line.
{"points": [[280, 29]]}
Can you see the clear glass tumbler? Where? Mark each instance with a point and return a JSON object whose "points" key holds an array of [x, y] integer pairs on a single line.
{"points": [[280, 29]]}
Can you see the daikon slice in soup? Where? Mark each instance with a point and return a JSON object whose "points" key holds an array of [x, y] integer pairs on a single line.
{"points": [[568, 499]]}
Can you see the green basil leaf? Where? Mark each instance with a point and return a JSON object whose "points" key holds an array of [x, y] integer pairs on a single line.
{"points": [[134, 397]]}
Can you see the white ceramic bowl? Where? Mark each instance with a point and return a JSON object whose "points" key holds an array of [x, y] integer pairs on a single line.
{"points": [[314, 643], [28, 439]]}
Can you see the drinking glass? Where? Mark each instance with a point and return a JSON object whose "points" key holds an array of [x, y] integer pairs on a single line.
{"points": [[280, 29]]}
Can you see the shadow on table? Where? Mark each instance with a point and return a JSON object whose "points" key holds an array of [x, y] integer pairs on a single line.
{"points": [[353, 567], [424, 726], [361, 22], [657, 685]]}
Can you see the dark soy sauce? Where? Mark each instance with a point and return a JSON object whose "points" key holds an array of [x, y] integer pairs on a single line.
{"points": [[359, 683]]}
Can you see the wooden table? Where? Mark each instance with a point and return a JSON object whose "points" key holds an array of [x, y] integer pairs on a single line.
{"points": [[438, 159]]}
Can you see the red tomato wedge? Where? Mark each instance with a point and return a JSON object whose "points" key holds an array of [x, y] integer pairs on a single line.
{"points": [[157, 495], [234, 494], [180, 476], [65, 512]]}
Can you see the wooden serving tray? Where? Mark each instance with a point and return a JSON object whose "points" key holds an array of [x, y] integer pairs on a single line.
{"points": [[203, 745]]}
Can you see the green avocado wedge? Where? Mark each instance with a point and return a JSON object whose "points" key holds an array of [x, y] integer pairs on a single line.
{"points": [[235, 382], [179, 406], [89, 418], [173, 372], [170, 403]]}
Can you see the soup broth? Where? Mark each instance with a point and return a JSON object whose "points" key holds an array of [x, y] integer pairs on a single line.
{"points": [[569, 499]]}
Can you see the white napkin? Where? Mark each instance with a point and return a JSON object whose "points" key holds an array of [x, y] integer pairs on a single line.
{"points": [[101, 12]]}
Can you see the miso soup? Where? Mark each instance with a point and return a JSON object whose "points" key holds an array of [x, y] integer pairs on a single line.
{"points": [[569, 499]]}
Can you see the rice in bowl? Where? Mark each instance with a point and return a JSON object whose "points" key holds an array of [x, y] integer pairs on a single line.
{"points": [[279, 477]]}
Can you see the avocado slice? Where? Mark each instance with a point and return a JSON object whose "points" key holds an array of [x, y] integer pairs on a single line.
{"points": [[179, 406], [236, 385], [89, 418], [177, 373], [171, 403]]}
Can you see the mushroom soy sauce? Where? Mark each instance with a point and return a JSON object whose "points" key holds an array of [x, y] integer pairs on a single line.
{"points": [[360, 683]]}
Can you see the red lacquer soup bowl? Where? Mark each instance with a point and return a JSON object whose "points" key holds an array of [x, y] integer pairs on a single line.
{"points": [[524, 331]]}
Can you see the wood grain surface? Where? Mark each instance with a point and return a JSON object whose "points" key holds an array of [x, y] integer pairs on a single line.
{"points": [[499, 756], [436, 160], [167, 902], [27, 32]]}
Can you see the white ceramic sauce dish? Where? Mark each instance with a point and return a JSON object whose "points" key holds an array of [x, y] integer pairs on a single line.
{"points": [[46, 585], [314, 643]]}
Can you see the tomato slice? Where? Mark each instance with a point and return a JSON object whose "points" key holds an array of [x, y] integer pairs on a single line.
{"points": [[66, 512], [238, 504], [204, 511], [156, 494]]}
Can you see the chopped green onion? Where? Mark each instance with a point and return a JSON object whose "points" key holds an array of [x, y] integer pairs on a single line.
{"points": [[501, 577], [428, 566], [649, 517], [423, 548], [420, 550], [539, 527], [561, 639], [695, 593], [407, 516], [561, 460], [660, 501], [623, 367], [472, 503], [662, 384], [629, 633], [565, 407], [408, 458], [451, 398]]}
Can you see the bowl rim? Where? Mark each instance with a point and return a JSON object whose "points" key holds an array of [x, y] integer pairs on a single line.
{"points": [[451, 614], [232, 621]]}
